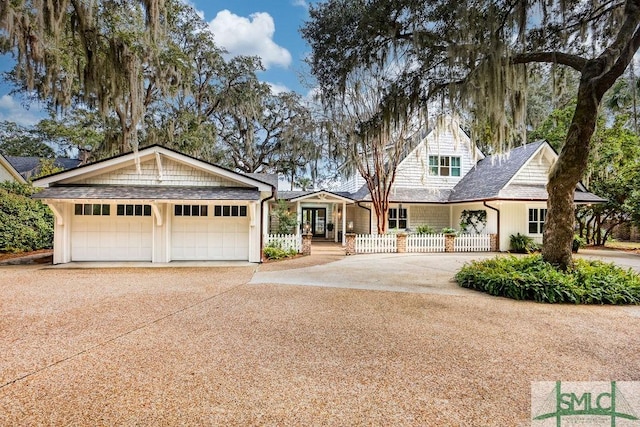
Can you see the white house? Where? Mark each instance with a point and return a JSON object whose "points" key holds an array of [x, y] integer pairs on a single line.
{"points": [[8, 172], [156, 205], [440, 178]]}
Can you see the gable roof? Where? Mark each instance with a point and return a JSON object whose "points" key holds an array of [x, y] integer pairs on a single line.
{"points": [[8, 166], [148, 152], [492, 178], [493, 173], [293, 196]]}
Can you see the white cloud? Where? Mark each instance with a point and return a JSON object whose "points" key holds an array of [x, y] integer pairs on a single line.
{"points": [[301, 3], [13, 111], [249, 36], [278, 88]]}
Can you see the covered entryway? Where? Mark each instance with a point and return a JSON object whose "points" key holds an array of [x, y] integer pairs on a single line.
{"points": [[214, 233], [103, 232], [316, 220]]}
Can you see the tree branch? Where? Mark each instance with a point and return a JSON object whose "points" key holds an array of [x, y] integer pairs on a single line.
{"points": [[574, 61]]}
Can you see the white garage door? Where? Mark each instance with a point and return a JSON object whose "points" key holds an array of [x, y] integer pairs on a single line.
{"points": [[97, 236], [209, 237]]}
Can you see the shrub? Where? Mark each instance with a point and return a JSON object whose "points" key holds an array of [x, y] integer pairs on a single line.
{"points": [[425, 229], [531, 278], [522, 244], [448, 230], [274, 250], [25, 224]]}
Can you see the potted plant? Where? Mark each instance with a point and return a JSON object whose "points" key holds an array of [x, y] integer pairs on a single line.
{"points": [[449, 231]]}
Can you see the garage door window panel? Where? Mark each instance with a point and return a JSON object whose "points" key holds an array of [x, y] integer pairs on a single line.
{"points": [[92, 209]]}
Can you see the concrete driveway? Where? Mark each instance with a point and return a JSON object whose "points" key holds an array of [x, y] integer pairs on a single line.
{"points": [[417, 273], [215, 346]]}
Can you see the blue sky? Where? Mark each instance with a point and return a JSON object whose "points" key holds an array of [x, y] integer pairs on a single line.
{"points": [[268, 29]]}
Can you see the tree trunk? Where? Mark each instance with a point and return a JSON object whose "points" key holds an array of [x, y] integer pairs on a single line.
{"points": [[566, 173]]}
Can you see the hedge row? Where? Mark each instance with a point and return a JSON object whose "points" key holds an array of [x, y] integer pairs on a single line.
{"points": [[530, 278], [25, 224]]}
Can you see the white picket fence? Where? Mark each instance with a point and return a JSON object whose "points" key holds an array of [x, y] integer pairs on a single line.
{"points": [[285, 241], [376, 243], [385, 243], [425, 243], [472, 243]]}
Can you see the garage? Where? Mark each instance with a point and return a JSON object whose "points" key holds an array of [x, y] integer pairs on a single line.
{"points": [[156, 205], [105, 232], [209, 232]]}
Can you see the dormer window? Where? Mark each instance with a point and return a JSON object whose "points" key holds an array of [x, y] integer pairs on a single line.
{"points": [[444, 166]]}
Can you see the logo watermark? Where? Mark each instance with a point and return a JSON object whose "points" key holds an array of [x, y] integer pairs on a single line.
{"points": [[564, 403]]}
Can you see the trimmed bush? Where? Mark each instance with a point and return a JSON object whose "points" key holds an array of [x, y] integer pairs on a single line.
{"points": [[274, 250], [25, 224], [531, 278], [425, 229]]}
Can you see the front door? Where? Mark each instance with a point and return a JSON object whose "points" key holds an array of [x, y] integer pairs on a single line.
{"points": [[316, 218]]}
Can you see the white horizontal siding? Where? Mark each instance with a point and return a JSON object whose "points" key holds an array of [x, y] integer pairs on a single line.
{"points": [[534, 172], [173, 173], [5, 175], [413, 171]]}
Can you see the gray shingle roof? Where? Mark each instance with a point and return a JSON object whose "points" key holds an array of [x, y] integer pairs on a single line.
{"points": [[539, 192], [148, 193], [414, 195], [491, 174], [487, 180]]}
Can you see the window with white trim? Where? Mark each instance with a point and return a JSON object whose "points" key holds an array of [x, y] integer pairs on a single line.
{"points": [[229, 210], [537, 217], [397, 218], [444, 166], [92, 209]]}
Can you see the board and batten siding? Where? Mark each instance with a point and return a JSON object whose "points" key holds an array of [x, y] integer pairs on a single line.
{"points": [[413, 171], [173, 174], [514, 218], [536, 171], [492, 217]]}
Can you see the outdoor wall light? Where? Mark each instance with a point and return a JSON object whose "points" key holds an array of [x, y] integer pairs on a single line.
{"points": [[307, 228], [350, 226]]}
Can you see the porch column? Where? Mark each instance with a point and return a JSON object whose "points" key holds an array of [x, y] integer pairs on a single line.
{"points": [[344, 223], [334, 219], [299, 217]]}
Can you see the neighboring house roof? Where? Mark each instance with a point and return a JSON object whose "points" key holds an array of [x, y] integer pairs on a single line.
{"points": [[147, 193], [30, 166], [11, 171]]}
